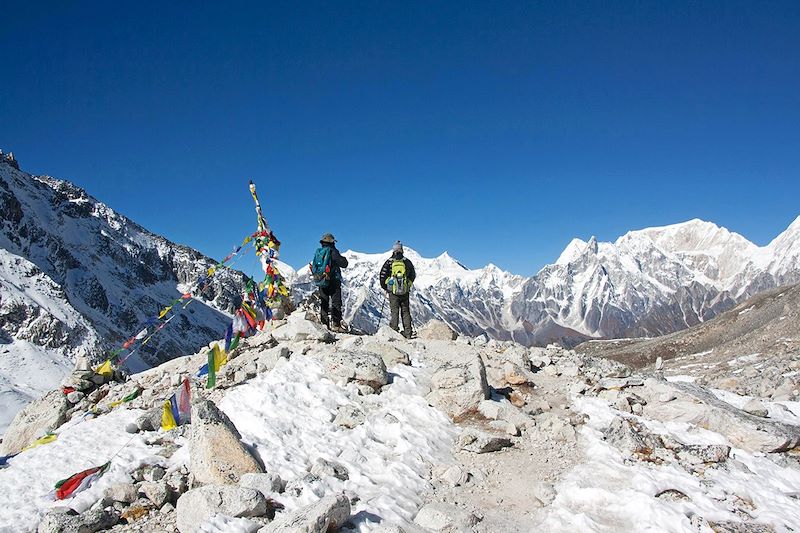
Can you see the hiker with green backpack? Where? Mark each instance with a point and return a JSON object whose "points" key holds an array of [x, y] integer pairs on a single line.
{"points": [[397, 276], [327, 276]]}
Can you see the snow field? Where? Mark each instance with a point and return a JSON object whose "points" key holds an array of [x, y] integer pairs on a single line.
{"points": [[607, 493], [287, 417], [25, 484]]}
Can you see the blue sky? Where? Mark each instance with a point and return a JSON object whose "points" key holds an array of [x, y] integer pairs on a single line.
{"points": [[495, 130]]}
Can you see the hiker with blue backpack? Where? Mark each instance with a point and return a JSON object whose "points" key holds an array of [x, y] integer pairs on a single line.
{"points": [[397, 276], [327, 276]]}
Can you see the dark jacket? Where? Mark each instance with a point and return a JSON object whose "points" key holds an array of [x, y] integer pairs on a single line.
{"points": [[338, 262], [386, 270]]}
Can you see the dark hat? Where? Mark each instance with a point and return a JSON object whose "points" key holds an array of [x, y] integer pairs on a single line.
{"points": [[328, 237]]}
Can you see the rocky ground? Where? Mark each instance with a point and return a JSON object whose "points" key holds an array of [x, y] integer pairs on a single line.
{"points": [[307, 431]]}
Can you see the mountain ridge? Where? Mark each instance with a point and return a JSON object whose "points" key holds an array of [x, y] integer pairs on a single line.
{"points": [[648, 282]]}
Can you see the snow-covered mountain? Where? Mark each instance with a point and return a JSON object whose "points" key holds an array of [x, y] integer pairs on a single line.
{"points": [[649, 282], [78, 278]]}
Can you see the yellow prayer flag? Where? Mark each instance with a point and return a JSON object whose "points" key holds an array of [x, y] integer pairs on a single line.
{"points": [[167, 420], [105, 369], [47, 439]]}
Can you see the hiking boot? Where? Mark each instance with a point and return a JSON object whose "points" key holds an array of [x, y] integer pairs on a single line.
{"points": [[408, 335], [337, 328]]}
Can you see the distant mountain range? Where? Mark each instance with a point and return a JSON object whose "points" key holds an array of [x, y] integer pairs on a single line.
{"points": [[647, 283]]}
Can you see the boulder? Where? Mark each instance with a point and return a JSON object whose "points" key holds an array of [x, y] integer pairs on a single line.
{"points": [[437, 330], [299, 328], [323, 467], [504, 411], [391, 355], [266, 484], [328, 514], [198, 505], [451, 475], [459, 387], [445, 517], [544, 491], [755, 408], [65, 520], [349, 416], [514, 374], [695, 405], [217, 454], [473, 440], [155, 491], [630, 437], [560, 429], [385, 333], [361, 367], [699, 454], [36, 419], [480, 340], [151, 420], [121, 492], [539, 361]]}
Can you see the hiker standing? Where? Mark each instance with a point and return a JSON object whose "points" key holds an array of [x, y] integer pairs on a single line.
{"points": [[397, 276], [327, 275]]}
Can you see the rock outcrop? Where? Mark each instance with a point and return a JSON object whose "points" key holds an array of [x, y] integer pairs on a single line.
{"points": [[216, 449]]}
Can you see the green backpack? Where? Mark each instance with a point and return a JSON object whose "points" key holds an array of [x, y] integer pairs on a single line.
{"points": [[398, 282]]}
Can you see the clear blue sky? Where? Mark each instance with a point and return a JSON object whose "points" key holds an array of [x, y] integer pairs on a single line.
{"points": [[495, 130]]}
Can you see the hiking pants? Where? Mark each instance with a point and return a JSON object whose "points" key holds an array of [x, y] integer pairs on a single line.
{"points": [[330, 301], [400, 304]]}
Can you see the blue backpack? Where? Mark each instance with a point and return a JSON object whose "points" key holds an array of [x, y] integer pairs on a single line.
{"points": [[321, 266]]}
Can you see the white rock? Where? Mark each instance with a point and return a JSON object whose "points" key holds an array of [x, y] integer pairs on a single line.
{"points": [[386, 333], [755, 408], [391, 355], [198, 505], [267, 483], [437, 330], [545, 492], [361, 367], [328, 514], [121, 492], [474, 440], [445, 517], [155, 491], [216, 452], [298, 328], [459, 389], [37, 418]]}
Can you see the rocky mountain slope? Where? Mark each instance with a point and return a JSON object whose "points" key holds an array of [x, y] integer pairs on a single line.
{"points": [[77, 278], [384, 434], [649, 282], [753, 349]]}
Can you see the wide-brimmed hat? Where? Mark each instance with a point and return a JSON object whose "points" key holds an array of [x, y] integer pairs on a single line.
{"points": [[328, 237]]}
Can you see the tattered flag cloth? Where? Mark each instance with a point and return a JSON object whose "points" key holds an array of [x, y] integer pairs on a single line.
{"points": [[127, 398], [66, 488], [216, 358], [178, 409], [47, 439], [105, 370]]}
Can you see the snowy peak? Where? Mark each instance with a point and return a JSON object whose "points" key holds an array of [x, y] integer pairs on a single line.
{"points": [[573, 250], [106, 269], [692, 236]]}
